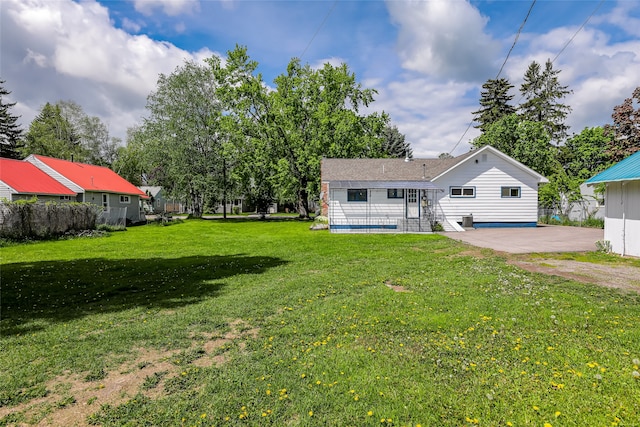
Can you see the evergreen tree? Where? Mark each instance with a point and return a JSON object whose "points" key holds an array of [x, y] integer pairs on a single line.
{"points": [[394, 144], [50, 134], [542, 93], [494, 103], [10, 131]]}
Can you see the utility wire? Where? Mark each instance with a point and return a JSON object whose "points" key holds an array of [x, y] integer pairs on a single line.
{"points": [[554, 59], [501, 68], [579, 29], [333, 6]]}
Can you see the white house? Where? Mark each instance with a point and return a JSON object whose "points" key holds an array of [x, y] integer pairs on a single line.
{"points": [[482, 188], [622, 205]]}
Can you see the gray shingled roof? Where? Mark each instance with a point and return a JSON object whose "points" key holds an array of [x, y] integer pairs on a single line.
{"points": [[386, 169]]}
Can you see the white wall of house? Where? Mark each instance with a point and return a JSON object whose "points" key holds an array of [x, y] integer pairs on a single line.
{"points": [[622, 217], [6, 192], [377, 210], [487, 176]]}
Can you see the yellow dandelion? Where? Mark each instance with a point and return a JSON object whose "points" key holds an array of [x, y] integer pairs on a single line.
{"points": [[311, 413], [370, 413]]}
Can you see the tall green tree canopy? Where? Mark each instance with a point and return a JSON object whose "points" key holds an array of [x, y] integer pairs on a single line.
{"points": [[626, 128], [315, 113], [183, 136], [585, 154], [97, 146], [525, 141], [543, 93], [51, 134], [10, 131], [494, 103]]}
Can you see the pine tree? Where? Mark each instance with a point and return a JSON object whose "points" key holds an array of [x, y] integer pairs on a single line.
{"points": [[10, 131], [394, 144], [543, 92], [494, 103], [50, 134]]}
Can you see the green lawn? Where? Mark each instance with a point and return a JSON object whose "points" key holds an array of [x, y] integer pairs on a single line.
{"points": [[267, 323]]}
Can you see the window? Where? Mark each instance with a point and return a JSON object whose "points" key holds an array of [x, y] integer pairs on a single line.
{"points": [[462, 191], [357, 195], [66, 198], [510, 192], [412, 195], [125, 199], [395, 193], [105, 201]]}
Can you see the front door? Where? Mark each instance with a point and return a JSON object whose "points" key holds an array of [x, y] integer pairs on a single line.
{"points": [[413, 203]]}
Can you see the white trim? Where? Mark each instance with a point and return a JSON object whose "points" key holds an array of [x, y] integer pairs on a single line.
{"points": [[541, 179]]}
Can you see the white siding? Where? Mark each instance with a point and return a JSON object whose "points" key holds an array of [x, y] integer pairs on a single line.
{"points": [[622, 217], [5, 191], [378, 209], [488, 176]]}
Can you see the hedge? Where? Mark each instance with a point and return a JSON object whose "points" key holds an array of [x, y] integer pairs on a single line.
{"points": [[25, 219]]}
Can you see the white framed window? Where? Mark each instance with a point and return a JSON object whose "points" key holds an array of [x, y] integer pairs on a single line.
{"points": [[65, 198], [357, 195], [462, 191], [510, 192], [105, 201], [395, 193], [412, 195], [125, 199]]}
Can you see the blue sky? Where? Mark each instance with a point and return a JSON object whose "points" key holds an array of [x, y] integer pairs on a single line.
{"points": [[427, 59]]}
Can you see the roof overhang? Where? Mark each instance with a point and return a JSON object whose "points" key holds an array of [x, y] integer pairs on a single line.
{"points": [[418, 185]]}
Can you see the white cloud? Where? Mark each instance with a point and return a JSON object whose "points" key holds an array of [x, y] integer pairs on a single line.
{"points": [[131, 26], [444, 39], [81, 57], [169, 7], [600, 73], [333, 61]]}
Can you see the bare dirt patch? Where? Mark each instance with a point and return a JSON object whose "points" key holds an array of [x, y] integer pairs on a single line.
{"points": [[396, 288], [71, 398], [611, 276]]}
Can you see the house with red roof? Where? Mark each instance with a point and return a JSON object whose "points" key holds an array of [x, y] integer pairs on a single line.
{"points": [[23, 180], [94, 184]]}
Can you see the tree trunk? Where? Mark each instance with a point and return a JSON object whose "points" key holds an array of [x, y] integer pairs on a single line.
{"points": [[303, 203]]}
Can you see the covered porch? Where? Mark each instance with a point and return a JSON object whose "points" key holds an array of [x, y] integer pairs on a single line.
{"points": [[383, 206]]}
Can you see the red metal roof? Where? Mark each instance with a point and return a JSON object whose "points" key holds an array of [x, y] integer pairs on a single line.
{"points": [[91, 177], [26, 178]]}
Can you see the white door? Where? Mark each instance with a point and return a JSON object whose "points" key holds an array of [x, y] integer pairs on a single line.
{"points": [[413, 204]]}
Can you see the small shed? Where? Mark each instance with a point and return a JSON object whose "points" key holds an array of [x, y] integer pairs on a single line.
{"points": [[622, 205]]}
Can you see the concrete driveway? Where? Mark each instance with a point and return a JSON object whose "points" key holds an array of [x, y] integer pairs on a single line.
{"points": [[546, 238]]}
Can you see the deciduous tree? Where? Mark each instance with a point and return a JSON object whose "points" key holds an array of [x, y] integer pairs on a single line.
{"points": [[525, 141], [625, 128]]}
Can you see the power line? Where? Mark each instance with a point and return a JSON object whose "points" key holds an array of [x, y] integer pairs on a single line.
{"points": [[586, 21], [516, 39], [333, 6], [579, 29], [501, 68]]}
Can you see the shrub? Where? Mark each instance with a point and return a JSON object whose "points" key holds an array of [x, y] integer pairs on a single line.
{"points": [[28, 219]]}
